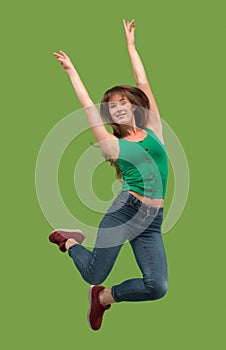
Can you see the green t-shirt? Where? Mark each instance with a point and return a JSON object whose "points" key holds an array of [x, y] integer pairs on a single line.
{"points": [[144, 165]]}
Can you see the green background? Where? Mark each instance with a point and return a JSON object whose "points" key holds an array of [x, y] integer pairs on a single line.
{"points": [[44, 300]]}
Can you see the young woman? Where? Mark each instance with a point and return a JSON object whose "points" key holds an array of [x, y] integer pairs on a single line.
{"points": [[136, 148]]}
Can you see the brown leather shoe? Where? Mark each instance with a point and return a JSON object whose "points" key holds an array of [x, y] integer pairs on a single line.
{"points": [[96, 311], [60, 236]]}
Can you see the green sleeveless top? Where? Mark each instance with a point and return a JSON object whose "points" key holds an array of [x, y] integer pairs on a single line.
{"points": [[144, 165]]}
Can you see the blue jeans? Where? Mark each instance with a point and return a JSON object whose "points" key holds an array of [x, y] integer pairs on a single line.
{"points": [[127, 219]]}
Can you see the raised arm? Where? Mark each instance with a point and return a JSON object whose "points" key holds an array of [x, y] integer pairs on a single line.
{"points": [[139, 73], [100, 132]]}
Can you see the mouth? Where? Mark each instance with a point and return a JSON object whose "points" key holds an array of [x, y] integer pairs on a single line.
{"points": [[120, 116]]}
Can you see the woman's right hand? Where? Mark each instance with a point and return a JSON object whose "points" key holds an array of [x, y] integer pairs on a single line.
{"points": [[65, 61]]}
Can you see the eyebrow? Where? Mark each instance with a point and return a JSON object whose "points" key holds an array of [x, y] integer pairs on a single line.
{"points": [[122, 99]]}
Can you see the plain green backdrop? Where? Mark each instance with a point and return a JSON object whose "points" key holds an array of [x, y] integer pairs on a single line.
{"points": [[43, 299]]}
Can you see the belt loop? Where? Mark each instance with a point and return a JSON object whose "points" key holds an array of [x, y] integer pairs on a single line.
{"points": [[131, 198]]}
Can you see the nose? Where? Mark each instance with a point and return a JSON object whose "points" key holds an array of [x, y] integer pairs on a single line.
{"points": [[119, 107]]}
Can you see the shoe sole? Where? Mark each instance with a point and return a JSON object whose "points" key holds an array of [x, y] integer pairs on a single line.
{"points": [[90, 304]]}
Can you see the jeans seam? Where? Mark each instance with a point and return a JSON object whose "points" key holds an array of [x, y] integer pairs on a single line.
{"points": [[146, 257], [77, 256]]}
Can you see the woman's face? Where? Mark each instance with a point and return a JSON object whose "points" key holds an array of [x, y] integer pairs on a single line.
{"points": [[121, 110]]}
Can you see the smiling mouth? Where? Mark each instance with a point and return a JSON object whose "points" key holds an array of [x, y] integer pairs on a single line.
{"points": [[120, 115]]}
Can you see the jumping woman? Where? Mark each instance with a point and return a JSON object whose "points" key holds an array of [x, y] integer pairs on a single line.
{"points": [[136, 149]]}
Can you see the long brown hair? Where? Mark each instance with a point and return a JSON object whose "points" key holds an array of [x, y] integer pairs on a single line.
{"points": [[141, 103]]}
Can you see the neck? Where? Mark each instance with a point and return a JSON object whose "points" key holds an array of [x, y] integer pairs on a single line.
{"points": [[129, 129]]}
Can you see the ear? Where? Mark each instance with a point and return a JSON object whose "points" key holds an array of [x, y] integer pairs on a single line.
{"points": [[134, 108]]}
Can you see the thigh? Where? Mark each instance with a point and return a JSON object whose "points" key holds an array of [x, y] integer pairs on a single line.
{"points": [[117, 224], [149, 251]]}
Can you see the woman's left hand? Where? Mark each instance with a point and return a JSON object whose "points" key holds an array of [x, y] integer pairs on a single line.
{"points": [[129, 31]]}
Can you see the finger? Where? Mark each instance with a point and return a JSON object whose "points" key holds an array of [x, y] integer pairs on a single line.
{"points": [[126, 30], [60, 59], [125, 26], [131, 24], [128, 26], [57, 55], [63, 54]]}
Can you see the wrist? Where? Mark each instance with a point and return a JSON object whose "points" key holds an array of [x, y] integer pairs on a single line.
{"points": [[71, 71], [131, 46]]}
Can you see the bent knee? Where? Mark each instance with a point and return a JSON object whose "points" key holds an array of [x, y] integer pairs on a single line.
{"points": [[161, 290], [95, 280], [157, 290]]}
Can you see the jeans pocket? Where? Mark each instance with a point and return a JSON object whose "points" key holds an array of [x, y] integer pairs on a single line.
{"points": [[159, 217], [119, 202]]}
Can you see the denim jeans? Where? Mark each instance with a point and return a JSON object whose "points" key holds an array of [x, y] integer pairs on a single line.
{"points": [[127, 219]]}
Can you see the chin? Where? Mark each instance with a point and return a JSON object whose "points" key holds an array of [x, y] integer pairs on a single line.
{"points": [[124, 122]]}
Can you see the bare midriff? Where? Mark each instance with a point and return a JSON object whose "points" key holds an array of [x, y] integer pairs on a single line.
{"points": [[154, 202]]}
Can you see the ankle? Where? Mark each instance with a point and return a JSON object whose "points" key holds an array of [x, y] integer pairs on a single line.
{"points": [[105, 297], [101, 297], [70, 242]]}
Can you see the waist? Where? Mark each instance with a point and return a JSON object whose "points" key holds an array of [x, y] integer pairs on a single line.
{"points": [[154, 202]]}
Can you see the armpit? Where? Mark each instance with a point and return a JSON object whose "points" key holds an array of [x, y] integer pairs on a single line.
{"points": [[110, 148]]}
